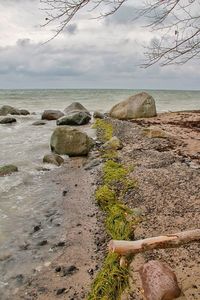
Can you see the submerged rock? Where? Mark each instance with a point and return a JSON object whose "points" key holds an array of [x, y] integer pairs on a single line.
{"points": [[38, 123], [66, 140], [141, 105], [52, 115], [54, 159], [7, 109], [8, 120], [7, 170], [76, 118]]}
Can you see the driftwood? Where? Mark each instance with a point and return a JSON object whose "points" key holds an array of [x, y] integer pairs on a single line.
{"points": [[158, 242]]}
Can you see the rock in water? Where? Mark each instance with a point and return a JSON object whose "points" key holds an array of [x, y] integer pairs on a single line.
{"points": [[141, 105], [76, 118], [159, 281], [54, 159], [7, 170], [8, 120], [66, 140], [75, 107], [38, 123], [24, 112], [52, 115], [7, 109]]}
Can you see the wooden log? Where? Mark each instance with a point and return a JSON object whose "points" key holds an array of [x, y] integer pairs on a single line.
{"points": [[158, 242]]}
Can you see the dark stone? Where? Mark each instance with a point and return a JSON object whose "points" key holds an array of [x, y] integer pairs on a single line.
{"points": [[7, 109], [8, 120], [66, 271], [37, 228], [24, 112], [58, 269], [60, 291], [76, 118], [43, 243]]}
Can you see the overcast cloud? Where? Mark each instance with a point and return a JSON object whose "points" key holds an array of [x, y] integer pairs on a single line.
{"points": [[89, 53]]}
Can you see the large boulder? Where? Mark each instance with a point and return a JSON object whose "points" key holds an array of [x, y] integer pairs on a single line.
{"points": [[76, 118], [52, 115], [75, 107], [7, 109], [73, 142], [141, 105]]}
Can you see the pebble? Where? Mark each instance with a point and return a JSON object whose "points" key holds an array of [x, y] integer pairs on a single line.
{"points": [[60, 291]]}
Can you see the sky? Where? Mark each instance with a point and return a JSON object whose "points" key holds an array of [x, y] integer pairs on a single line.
{"points": [[89, 53]]}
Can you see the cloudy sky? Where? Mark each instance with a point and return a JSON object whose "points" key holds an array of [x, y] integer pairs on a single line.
{"points": [[89, 53]]}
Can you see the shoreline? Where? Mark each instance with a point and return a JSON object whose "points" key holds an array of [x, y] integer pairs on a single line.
{"points": [[177, 150]]}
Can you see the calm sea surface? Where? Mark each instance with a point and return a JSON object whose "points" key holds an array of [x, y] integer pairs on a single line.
{"points": [[25, 194]]}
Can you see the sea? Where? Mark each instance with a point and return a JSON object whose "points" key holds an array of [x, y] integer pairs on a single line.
{"points": [[25, 195]]}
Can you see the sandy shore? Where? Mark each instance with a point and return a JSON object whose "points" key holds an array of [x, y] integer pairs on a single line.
{"points": [[167, 171]]}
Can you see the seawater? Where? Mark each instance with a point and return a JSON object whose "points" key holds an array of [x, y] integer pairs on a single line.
{"points": [[27, 194]]}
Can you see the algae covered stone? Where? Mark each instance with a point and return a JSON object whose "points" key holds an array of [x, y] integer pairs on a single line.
{"points": [[7, 170], [141, 105], [76, 118], [8, 120], [70, 141]]}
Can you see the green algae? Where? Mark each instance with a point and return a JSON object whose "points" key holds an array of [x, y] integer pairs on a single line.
{"points": [[120, 220]]}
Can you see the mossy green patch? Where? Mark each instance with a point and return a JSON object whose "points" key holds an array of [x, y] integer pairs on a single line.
{"points": [[104, 129], [105, 196], [110, 281], [113, 172]]}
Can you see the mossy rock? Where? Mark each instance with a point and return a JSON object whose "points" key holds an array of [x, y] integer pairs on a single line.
{"points": [[54, 159], [7, 170], [113, 144]]}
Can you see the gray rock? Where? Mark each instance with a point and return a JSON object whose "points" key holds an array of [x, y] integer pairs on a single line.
{"points": [[76, 118], [75, 107], [52, 115], [7, 170], [54, 159], [8, 120], [38, 123], [93, 163], [98, 115], [24, 112], [7, 109], [66, 140], [141, 105]]}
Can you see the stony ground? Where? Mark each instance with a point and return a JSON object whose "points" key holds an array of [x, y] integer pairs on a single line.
{"points": [[167, 171]]}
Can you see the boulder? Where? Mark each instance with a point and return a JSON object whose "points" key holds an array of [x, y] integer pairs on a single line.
{"points": [[73, 142], [75, 107], [155, 132], [98, 115], [52, 115], [159, 281], [38, 123], [141, 105], [8, 120], [7, 109], [7, 170], [76, 118], [24, 112], [113, 144], [54, 159]]}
